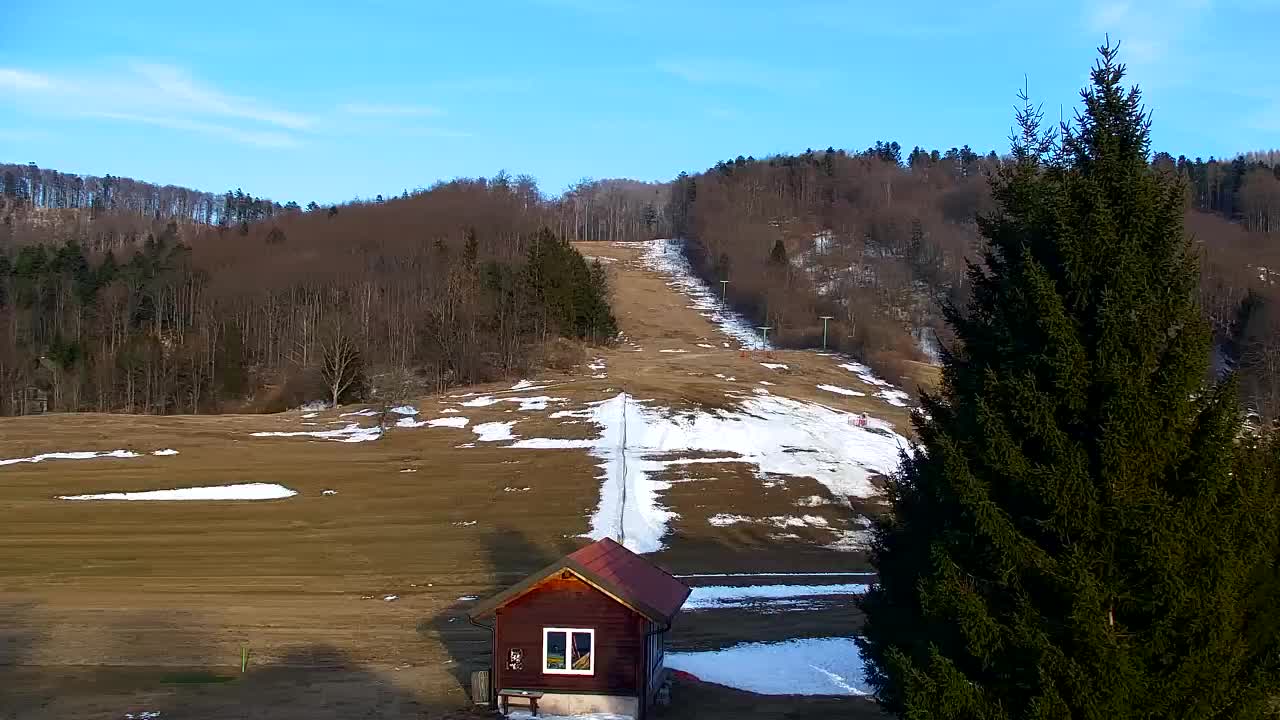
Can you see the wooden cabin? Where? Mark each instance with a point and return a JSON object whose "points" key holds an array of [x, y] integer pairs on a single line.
{"points": [[586, 634]]}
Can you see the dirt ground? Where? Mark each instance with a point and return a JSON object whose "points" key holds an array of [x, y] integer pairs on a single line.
{"points": [[107, 608]]}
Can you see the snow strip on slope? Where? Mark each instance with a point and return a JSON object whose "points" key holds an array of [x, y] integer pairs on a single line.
{"points": [[453, 422], [811, 666], [776, 434], [782, 521], [405, 410], [526, 403], [887, 393], [245, 491], [367, 412], [716, 597], [79, 455], [841, 391], [665, 257], [776, 366], [352, 433]]}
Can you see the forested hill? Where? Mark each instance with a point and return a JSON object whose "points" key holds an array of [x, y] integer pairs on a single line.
{"points": [[878, 241], [117, 294], [124, 298]]}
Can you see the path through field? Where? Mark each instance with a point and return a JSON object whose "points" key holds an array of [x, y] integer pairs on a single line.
{"points": [[349, 575]]}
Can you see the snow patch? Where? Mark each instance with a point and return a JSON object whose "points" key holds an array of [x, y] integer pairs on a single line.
{"points": [[352, 433], [776, 366], [245, 491], [852, 540], [526, 403], [895, 397], [453, 422], [328, 492], [78, 455], [367, 412], [681, 350], [553, 443], [665, 256], [723, 519], [811, 666], [405, 410], [814, 501], [390, 598], [717, 597], [778, 435], [841, 391], [308, 416], [494, 431]]}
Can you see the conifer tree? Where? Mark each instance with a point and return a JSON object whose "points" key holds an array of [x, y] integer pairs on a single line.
{"points": [[1083, 531]]}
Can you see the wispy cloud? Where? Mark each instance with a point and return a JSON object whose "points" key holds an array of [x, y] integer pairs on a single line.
{"points": [[259, 138], [21, 80], [157, 95], [721, 71], [381, 110], [1151, 32]]}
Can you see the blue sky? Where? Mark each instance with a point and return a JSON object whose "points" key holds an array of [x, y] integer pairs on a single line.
{"points": [[329, 101]]}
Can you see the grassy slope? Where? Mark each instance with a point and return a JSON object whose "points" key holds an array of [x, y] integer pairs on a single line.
{"points": [[98, 602]]}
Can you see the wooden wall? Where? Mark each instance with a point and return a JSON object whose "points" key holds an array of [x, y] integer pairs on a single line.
{"points": [[620, 652]]}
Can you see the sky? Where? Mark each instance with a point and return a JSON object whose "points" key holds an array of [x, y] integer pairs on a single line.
{"points": [[308, 100]]}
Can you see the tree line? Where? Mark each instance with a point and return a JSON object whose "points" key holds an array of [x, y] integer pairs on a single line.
{"points": [[457, 284], [879, 240]]}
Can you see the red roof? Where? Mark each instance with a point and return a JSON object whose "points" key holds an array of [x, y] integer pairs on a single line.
{"points": [[638, 579], [630, 578]]}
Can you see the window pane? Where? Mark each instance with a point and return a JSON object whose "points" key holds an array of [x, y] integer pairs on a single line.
{"points": [[581, 651], [555, 650]]}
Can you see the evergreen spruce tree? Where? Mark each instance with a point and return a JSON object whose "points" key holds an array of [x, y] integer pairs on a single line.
{"points": [[1083, 532]]}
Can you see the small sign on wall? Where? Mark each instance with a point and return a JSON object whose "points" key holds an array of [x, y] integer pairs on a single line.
{"points": [[515, 659]]}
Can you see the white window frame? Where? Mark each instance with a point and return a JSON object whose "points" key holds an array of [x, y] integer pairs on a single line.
{"points": [[568, 651]]}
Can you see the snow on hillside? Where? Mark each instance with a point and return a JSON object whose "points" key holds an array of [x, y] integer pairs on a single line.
{"points": [[775, 434], [665, 256]]}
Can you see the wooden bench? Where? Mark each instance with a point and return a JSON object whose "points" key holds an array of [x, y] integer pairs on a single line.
{"points": [[530, 695]]}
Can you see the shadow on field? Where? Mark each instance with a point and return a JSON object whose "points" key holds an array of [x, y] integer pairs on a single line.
{"points": [[311, 682], [511, 556], [19, 637]]}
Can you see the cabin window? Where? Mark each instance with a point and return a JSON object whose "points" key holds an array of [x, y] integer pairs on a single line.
{"points": [[568, 651]]}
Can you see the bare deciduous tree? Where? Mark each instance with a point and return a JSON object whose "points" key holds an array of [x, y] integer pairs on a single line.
{"points": [[340, 366]]}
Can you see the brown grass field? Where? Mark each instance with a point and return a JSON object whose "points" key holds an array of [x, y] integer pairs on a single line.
{"points": [[108, 608]]}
